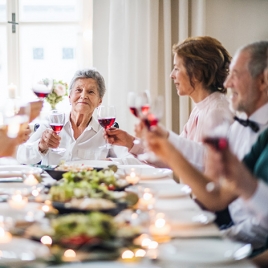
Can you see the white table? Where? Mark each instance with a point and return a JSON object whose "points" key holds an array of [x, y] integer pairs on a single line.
{"points": [[180, 203]]}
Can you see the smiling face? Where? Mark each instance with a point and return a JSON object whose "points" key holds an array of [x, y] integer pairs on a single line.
{"points": [[181, 78], [244, 88], [84, 96]]}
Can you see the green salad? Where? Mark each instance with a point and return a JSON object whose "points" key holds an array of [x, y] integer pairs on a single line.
{"points": [[80, 228], [93, 184]]}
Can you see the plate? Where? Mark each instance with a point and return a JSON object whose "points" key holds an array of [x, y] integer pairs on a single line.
{"points": [[202, 251], [150, 173], [171, 190], [14, 172], [92, 163], [11, 187], [190, 218], [20, 251], [29, 213], [64, 208]]}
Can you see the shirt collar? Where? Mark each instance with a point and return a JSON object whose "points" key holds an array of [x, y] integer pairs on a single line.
{"points": [[260, 116], [93, 124]]}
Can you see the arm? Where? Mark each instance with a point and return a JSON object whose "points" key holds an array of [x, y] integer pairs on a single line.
{"points": [[36, 148], [216, 200]]}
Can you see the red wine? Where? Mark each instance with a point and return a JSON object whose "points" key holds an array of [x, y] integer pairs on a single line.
{"points": [[56, 127], [150, 121], [134, 111], [106, 122], [41, 95], [145, 108], [218, 143]]}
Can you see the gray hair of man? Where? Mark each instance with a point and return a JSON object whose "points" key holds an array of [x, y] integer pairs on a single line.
{"points": [[89, 73], [258, 57]]}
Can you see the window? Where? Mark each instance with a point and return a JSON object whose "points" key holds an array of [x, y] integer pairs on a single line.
{"points": [[49, 38]]}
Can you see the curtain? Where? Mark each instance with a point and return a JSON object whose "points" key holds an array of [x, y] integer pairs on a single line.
{"points": [[132, 48]]}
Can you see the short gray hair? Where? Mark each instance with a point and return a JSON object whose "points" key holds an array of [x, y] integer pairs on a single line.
{"points": [[89, 73], [258, 57]]}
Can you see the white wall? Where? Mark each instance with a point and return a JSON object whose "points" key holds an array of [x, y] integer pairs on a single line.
{"points": [[237, 22]]}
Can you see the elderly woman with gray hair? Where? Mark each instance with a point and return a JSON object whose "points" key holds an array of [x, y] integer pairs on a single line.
{"points": [[81, 135]]}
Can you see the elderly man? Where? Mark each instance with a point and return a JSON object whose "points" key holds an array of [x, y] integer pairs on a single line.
{"points": [[249, 95], [81, 134]]}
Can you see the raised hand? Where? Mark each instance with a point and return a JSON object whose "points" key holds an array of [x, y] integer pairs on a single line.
{"points": [[49, 139]]}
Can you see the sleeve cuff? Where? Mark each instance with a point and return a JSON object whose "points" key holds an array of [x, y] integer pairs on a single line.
{"points": [[257, 201]]}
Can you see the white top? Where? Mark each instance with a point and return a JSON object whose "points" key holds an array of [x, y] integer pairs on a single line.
{"points": [[86, 146], [251, 218], [208, 112]]}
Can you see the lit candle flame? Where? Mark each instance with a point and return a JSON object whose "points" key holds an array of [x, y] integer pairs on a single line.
{"points": [[127, 254], [69, 253], [140, 253], [46, 240]]}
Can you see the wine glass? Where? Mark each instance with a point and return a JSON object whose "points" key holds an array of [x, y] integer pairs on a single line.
{"points": [[138, 103], [216, 135], [106, 118], [56, 121], [42, 86], [150, 119]]}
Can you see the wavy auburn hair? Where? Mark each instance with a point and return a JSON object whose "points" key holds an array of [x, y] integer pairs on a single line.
{"points": [[206, 60]]}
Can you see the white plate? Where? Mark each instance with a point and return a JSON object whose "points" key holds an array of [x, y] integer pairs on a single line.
{"points": [[150, 173], [11, 187], [191, 218], [29, 213], [202, 251], [92, 163], [170, 190], [20, 251], [14, 172]]}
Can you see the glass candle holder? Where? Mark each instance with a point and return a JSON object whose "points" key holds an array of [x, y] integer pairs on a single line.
{"points": [[132, 175]]}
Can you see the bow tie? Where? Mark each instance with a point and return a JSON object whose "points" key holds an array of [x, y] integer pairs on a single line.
{"points": [[248, 123]]}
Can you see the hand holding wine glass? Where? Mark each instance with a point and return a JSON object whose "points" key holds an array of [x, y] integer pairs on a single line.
{"points": [[216, 137], [150, 119], [56, 121], [106, 118]]}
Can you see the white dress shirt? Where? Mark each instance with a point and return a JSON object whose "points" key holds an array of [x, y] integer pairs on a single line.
{"points": [[86, 146], [250, 218]]}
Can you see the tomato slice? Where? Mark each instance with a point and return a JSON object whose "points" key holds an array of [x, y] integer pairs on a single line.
{"points": [[80, 240]]}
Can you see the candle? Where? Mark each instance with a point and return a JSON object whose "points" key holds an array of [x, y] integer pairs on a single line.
{"points": [[133, 175], [48, 208], [147, 199], [132, 178], [160, 228], [12, 91], [46, 240], [18, 201], [30, 180], [69, 256], [5, 237]]}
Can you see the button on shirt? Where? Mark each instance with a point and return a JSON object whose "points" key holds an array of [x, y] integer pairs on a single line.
{"points": [[86, 146]]}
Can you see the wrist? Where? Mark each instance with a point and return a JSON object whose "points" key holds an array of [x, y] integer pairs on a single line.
{"points": [[41, 149]]}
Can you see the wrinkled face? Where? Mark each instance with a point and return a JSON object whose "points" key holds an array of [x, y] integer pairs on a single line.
{"points": [[84, 96], [244, 88], [181, 78]]}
